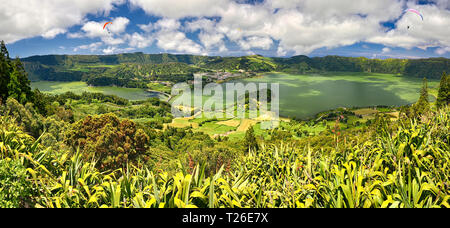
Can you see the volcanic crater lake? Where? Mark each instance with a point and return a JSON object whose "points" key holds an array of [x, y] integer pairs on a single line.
{"points": [[80, 87], [303, 96]]}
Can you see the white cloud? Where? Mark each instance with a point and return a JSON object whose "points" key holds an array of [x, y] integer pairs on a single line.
{"points": [[91, 47], [442, 51], [301, 27], [431, 32], [166, 32], [20, 19], [139, 41], [209, 37], [386, 50], [50, 34], [94, 29], [167, 24], [111, 35], [201, 24], [75, 35], [178, 42], [304, 26], [118, 25], [212, 40], [256, 42], [147, 28], [176, 9], [114, 50], [442, 3], [110, 40], [298, 26], [281, 51]]}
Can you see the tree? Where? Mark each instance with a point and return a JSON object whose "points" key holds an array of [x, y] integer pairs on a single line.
{"points": [[5, 71], [19, 85], [423, 105], [250, 140], [111, 141], [14, 81], [444, 91], [24, 115]]}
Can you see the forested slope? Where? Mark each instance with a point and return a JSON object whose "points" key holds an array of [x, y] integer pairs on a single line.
{"points": [[73, 67]]}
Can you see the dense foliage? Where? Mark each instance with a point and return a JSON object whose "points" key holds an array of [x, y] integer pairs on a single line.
{"points": [[95, 150], [402, 165], [112, 141], [443, 97], [14, 80], [124, 69]]}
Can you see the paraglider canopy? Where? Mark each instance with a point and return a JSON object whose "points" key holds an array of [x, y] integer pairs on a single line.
{"points": [[413, 11], [107, 23], [416, 12]]}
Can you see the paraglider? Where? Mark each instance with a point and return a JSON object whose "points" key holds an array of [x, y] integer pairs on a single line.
{"points": [[414, 12], [106, 24]]}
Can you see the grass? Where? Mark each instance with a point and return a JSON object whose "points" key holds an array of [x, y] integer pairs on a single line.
{"points": [[365, 111], [234, 128], [182, 123], [230, 123], [245, 125], [212, 128], [159, 87]]}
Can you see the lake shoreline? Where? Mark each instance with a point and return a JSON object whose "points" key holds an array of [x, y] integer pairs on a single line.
{"points": [[303, 97]]}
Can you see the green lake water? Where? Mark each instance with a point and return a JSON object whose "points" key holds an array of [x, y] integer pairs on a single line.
{"points": [[80, 87], [306, 95], [300, 96]]}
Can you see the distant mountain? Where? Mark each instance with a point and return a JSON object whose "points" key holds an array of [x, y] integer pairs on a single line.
{"points": [[138, 57], [75, 67]]}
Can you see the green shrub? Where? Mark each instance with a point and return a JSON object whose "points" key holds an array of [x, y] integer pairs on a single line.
{"points": [[16, 189]]}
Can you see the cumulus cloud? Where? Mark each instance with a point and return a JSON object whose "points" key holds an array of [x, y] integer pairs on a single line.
{"points": [[205, 26], [168, 34], [52, 33], [178, 42], [139, 41], [112, 35], [256, 42], [431, 32], [91, 47], [21, 19], [114, 50], [301, 27], [94, 29], [442, 51], [209, 37], [304, 26], [176, 9], [442, 3]]}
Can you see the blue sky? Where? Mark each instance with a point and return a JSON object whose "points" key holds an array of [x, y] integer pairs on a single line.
{"points": [[374, 29]]}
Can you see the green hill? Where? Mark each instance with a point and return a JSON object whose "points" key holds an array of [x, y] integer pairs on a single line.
{"points": [[82, 67]]}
